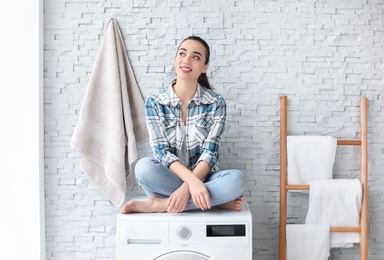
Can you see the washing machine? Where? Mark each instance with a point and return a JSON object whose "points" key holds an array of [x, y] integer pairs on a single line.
{"points": [[214, 234]]}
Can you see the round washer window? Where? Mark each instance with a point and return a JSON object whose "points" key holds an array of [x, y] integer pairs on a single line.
{"points": [[185, 255]]}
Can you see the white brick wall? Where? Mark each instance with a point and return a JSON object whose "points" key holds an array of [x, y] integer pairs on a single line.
{"points": [[322, 54]]}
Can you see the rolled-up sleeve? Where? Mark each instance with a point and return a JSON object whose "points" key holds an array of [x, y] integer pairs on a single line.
{"points": [[210, 147], [156, 124]]}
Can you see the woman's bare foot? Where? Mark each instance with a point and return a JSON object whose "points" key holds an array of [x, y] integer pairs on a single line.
{"points": [[233, 205], [151, 205]]}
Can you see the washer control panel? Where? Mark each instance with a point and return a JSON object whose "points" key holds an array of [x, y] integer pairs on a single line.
{"points": [[216, 233]]}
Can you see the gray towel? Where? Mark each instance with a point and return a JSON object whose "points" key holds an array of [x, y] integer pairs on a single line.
{"points": [[111, 120]]}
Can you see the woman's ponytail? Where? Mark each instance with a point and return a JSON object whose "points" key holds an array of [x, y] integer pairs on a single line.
{"points": [[203, 81]]}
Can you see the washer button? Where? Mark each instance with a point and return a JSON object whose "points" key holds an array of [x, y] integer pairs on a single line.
{"points": [[184, 232]]}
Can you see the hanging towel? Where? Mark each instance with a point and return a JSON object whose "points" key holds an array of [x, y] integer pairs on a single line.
{"points": [[111, 120], [306, 242], [336, 203], [310, 158]]}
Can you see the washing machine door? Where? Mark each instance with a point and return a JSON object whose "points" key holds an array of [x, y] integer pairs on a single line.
{"points": [[184, 255]]}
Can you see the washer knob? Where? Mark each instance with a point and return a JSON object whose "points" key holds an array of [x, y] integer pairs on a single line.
{"points": [[184, 232]]}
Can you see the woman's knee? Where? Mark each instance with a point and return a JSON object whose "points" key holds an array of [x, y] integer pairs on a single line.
{"points": [[234, 180], [238, 180], [143, 167], [239, 183]]}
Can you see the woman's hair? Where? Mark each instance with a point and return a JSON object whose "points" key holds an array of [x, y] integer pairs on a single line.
{"points": [[203, 79]]}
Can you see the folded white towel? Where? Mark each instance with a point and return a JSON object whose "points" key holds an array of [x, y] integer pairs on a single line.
{"points": [[310, 158], [307, 242], [111, 120], [336, 203]]}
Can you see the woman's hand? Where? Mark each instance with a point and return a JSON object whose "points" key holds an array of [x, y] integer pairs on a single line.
{"points": [[193, 186], [200, 194], [178, 199]]}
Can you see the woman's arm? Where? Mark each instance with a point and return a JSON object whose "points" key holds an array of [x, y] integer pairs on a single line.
{"points": [[158, 119], [211, 143]]}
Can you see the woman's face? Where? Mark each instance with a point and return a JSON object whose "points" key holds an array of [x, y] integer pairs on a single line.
{"points": [[190, 60]]}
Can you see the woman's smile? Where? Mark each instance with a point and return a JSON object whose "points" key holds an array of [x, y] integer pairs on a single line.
{"points": [[186, 69]]}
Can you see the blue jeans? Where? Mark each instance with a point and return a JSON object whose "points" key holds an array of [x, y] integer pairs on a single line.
{"points": [[157, 180]]}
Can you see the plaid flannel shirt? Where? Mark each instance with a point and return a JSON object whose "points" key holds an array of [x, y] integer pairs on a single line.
{"points": [[204, 127]]}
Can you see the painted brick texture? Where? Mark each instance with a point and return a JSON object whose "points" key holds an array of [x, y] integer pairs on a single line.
{"points": [[322, 54]]}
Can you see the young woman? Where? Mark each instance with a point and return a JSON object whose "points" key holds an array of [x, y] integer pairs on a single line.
{"points": [[186, 122]]}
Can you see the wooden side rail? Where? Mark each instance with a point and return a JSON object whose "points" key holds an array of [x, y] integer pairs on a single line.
{"points": [[283, 178], [364, 178]]}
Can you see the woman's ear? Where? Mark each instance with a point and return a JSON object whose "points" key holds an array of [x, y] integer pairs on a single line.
{"points": [[206, 66]]}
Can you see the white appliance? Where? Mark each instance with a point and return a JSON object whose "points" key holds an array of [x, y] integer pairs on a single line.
{"points": [[215, 234]]}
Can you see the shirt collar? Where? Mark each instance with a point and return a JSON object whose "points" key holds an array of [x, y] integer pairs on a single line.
{"points": [[201, 96]]}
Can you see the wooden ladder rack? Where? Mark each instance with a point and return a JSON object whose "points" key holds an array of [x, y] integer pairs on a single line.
{"points": [[284, 187]]}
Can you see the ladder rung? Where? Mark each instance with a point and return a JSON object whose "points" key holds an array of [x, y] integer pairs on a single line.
{"points": [[297, 187], [349, 142], [345, 229]]}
